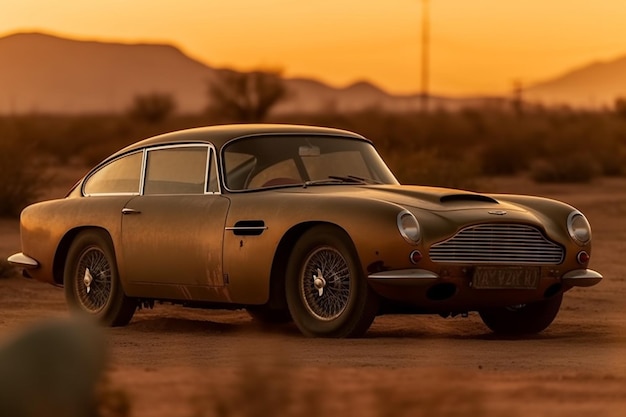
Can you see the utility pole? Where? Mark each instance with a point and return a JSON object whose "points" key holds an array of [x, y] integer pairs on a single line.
{"points": [[425, 54]]}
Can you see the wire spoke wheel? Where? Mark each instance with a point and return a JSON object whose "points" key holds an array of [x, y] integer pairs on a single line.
{"points": [[92, 283], [93, 279], [325, 283], [326, 291]]}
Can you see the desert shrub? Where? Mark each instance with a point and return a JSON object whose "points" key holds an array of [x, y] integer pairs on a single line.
{"points": [[620, 107], [429, 168], [504, 158], [21, 179], [245, 96], [152, 107], [566, 169]]}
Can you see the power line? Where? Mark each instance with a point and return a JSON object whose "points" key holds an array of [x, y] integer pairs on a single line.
{"points": [[425, 54]]}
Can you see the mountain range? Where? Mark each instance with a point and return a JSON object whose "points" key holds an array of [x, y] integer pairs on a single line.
{"points": [[41, 73]]}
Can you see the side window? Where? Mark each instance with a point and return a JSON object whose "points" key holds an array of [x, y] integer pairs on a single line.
{"points": [[181, 170], [121, 176]]}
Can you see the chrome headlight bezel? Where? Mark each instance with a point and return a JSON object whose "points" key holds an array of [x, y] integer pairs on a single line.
{"points": [[409, 227], [579, 228]]}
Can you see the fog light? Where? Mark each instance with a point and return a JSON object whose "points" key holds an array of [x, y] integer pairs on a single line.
{"points": [[583, 257], [415, 257]]}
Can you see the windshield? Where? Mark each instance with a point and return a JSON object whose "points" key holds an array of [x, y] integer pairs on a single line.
{"points": [[278, 161]]}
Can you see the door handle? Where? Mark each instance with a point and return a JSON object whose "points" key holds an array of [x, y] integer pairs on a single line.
{"points": [[126, 210]]}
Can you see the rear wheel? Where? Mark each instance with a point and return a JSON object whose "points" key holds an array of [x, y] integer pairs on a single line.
{"points": [[91, 280], [523, 319], [327, 293]]}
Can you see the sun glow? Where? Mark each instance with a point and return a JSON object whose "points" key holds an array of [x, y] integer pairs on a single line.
{"points": [[481, 46]]}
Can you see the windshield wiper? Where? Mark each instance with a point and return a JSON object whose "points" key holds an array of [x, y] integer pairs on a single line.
{"points": [[364, 180]]}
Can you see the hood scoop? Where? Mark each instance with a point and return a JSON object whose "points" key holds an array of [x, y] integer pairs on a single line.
{"points": [[454, 198]]}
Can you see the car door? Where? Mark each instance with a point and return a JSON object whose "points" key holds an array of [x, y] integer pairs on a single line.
{"points": [[172, 233]]}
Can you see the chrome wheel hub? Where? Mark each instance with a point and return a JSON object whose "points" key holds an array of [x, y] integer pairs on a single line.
{"points": [[87, 280], [319, 282]]}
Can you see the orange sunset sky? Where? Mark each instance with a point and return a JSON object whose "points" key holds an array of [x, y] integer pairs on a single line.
{"points": [[477, 46]]}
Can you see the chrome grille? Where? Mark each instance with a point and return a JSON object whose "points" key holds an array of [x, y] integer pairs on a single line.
{"points": [[498, 244]]}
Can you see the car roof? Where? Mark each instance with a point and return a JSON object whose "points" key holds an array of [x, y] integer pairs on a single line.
{"points": [[221, 134]]}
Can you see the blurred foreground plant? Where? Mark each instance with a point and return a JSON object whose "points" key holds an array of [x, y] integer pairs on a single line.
{"points": [[6, 270], [278, 389]]}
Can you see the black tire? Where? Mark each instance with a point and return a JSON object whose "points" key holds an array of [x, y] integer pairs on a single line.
{"points": [[91, 280], [265, 315], [519, 320], [324, 258]]}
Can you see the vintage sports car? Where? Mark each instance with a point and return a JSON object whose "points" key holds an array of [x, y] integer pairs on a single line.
{"points": [[303, 223]]}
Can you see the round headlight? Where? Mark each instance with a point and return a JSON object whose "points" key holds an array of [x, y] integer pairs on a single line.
{"points": [[579, 228], [409, 227]]}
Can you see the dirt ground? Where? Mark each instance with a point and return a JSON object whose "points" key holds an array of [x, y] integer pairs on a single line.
{"points": [[172, 361]]}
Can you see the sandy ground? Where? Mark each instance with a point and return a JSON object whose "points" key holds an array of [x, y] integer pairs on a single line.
{"points": [[172, 361]]}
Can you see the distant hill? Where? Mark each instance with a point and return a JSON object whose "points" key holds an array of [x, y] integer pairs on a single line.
{"points": [[43, 73], [49, 74], [596, 85]]}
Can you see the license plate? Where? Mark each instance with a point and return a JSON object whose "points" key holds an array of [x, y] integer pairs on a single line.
{"points": [[487, 278]]}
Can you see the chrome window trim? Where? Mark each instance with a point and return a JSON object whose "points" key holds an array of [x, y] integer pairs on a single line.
{"points": [[103, 164], [222, 167], [208, 146], [142, 178], [213, 156], [211, 150]]}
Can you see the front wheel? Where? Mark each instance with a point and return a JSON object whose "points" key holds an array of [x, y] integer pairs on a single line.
{"points": [[327, 292], [523, 319], [91, 280]]}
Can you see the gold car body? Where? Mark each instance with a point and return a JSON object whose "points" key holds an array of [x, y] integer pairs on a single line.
{"points": [[232, 246]]}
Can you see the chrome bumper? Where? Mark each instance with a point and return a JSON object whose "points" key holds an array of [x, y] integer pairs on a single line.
{"points": [[582, 278], [409, 277], [22, 261], [413, 277]]}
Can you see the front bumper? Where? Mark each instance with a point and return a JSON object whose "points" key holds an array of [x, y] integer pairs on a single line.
{"points": [[423, 277], [452, 290], [23, 261], [582, 278], [405, 277]]}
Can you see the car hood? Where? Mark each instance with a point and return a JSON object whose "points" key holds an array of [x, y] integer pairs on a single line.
{"points": [[430, 198], [450, 209]]}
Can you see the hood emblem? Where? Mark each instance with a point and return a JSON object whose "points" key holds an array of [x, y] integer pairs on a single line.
{"points": [[497, 212]]}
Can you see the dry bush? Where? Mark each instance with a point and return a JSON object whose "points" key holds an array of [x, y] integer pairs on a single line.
{"points": [[430, 168], [21, 178], [245, 97], [567, 169], [460, 145], [152, 107]]}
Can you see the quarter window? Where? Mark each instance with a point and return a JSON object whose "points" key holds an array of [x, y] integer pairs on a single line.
{"points": [[121, 176], [213, 186]]}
